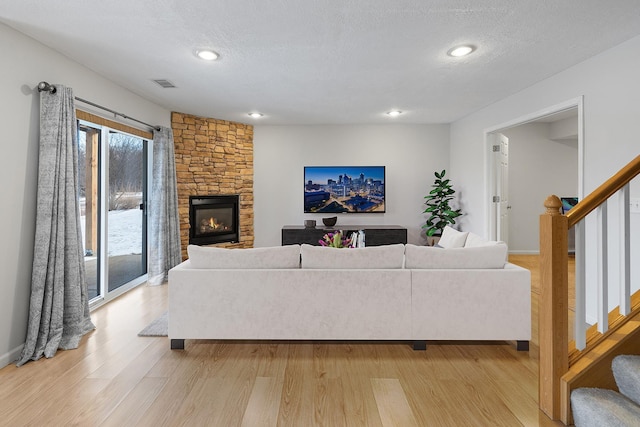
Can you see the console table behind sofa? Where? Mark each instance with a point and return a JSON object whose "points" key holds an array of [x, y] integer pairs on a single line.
{"points": [[375, 235]]}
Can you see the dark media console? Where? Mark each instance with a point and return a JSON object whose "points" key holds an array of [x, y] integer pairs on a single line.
{"points": [[375, 235]]}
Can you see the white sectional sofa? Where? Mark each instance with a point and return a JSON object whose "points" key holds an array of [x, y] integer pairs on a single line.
{"points": [[393, 292]]}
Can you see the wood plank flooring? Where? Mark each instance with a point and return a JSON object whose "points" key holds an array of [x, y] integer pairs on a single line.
{"points": [[116, 378]]}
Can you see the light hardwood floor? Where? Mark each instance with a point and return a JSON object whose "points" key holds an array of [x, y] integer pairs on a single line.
{"points": [[117, 378]]}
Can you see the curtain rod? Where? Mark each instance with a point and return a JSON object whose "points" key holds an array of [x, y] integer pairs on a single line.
{"points": [[46, 87]]}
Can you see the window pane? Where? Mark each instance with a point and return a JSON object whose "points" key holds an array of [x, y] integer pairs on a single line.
{"points": [[125, 237]]}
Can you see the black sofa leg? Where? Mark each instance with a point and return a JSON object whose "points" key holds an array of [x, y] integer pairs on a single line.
{"points": [[522, 345], [419, 345], [177, 344]]}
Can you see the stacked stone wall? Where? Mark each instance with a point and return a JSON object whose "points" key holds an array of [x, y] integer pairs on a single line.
{"points": [[214, 157]]}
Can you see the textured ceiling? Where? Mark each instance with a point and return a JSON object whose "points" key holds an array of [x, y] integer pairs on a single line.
{"points": [[326, 61]]}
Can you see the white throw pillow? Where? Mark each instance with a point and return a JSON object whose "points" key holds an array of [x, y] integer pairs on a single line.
{"points": [[251, 258], [481, 257], [452, 238], [370, 257], [473, 241]]}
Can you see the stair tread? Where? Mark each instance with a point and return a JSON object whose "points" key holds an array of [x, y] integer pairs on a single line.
{"points": [[596, 407], [626, 371]]}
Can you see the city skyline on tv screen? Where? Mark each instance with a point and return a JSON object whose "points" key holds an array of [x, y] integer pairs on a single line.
{"points": [[568, 203], [344, 189]]}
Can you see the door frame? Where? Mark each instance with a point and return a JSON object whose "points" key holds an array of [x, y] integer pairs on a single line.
{"points": [[489, 159]]}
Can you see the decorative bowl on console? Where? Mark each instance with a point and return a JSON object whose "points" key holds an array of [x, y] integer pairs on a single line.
{"points": [[330, 222]]}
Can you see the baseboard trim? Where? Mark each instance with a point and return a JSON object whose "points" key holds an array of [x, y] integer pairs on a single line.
{"points": [[517, 252], [11, 356]]}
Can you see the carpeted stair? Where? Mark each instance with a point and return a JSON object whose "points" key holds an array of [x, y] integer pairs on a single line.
{"points": [[594, 407]]}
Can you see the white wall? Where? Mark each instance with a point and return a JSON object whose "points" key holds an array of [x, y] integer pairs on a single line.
{"points": [[411, 154], [609, 84], [538, 167], [565, 129], [26, 62]]}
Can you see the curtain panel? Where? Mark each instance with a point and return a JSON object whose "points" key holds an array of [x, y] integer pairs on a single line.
{"points": [[164, 224], [59, 307]]}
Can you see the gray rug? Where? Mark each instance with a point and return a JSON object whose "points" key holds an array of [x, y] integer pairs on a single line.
{"points": [[157, 328]]}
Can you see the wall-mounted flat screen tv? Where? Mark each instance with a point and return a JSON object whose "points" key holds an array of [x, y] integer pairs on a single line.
{"points": [[568, 203], [344, 189]]}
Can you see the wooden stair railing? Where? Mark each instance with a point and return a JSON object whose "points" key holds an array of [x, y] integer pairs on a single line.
{"points": [[553, 303]]}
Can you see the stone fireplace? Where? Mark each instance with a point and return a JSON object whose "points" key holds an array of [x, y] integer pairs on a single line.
{"points": [[214, 157], [214, 219]]}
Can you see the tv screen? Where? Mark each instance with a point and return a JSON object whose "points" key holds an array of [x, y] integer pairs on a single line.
{"points": [[568, 203], [344, 189]]}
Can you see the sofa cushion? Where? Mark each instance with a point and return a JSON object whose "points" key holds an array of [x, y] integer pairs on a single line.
{"points": [[424, 257], [387, 256], [452, 238], [252, 258]]}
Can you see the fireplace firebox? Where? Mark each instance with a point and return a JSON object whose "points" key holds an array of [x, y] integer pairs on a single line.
{"points": [[214, 219]]}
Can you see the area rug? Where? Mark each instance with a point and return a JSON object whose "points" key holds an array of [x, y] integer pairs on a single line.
{"points": [[157, 328]]}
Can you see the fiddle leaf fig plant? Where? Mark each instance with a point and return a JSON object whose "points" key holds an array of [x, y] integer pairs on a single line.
{"points": [[437, 201]]}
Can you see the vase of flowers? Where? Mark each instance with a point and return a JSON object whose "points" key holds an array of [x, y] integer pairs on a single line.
{"points": [[335, 240]]}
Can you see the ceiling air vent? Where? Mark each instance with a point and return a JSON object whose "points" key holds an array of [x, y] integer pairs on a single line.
{"points": [[164, 83]]}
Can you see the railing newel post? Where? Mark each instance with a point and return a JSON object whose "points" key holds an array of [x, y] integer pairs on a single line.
{"points": [[553, 327]]}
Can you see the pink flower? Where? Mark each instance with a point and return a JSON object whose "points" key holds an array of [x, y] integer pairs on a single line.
{"points": [[335, 240]]}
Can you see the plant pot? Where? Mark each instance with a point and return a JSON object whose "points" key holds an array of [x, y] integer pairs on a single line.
{"points": [[433, 240]]}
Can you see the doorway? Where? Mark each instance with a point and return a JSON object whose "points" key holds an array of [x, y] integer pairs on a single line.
{"points": [[534, 171], [113, 193]]}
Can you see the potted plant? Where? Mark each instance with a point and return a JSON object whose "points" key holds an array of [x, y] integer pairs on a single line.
{"points": [[438, 208]]}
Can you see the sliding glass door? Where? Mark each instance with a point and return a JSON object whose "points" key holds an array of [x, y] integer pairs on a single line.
{"points": [[126, 225], [113, 170]]}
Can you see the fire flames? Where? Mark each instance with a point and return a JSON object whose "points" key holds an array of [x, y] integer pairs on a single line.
{"points": [[211, 224]]}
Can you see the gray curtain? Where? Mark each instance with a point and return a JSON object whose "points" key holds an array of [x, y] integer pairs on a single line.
{"points": [[59, 307], [164, 224]]}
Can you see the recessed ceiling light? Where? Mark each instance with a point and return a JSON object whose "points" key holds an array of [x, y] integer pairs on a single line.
{"points": [[461, 50], [394, 113], [255, 115], [206, 54]]}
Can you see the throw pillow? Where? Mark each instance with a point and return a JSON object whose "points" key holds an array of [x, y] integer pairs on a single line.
{"points": [[452, 238], [473, 241]]}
